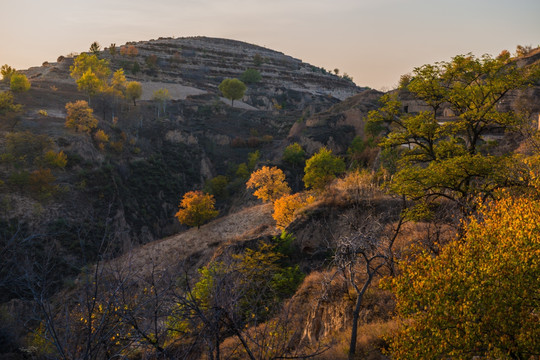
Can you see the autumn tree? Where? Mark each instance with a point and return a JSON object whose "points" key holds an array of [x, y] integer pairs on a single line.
{"points": [[287, 206], [322, 168], [80, 117], [445, 157], [19, 82], [7, 71], [90, 84], [479, 297], [269, 183], [196, 208], [85, 62], [160, 97], [232, 89], [133, 91]]}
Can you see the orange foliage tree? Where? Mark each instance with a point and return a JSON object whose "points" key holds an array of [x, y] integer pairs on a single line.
{"points": [[269, 183], [196, 208], [286, 207], [479, 297]]}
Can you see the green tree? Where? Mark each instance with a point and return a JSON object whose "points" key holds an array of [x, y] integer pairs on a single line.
{"points": [[80, 117], [134, 91], [7, 71], [19, 83], [251, 76], [445, 158], [322, 168], [112, 49], [196, 208], [6, 103], [269, 183], [479, 297], [232, 89], [294, 154]]}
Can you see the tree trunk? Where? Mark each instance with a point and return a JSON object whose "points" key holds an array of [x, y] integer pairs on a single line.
{"points": [[356, 315]]}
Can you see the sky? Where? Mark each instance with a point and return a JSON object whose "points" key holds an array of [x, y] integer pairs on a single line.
{"points": [[374, 41]]}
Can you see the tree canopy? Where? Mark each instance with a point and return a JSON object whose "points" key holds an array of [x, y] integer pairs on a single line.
{"points": [[196, 208], [445, 156], [232, 89], [7, 105], [479, 297], [7, 71], [269, 183], [322, 168], [133, 91], [19, 83], [80, 116]]}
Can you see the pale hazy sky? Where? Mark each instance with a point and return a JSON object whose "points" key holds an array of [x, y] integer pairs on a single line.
{"points": [[374, 41]]}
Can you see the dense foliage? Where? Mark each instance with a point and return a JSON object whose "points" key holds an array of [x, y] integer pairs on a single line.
{"points": [[479, 297], [196, 208]]}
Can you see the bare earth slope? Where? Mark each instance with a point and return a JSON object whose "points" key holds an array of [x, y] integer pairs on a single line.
{"points": [[249, 223]]}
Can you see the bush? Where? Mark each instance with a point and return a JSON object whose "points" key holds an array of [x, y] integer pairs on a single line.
{"points": [[19, 83], [251, 76]]}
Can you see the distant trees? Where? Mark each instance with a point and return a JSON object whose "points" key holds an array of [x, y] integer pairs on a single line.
{"points": [[322, 168], [112, 49], [232, 89], [90, 73], [160, 97], [80, 117], [134, 91], [95, 48], [479, 297], [7, 71], [251, 76], [19, 82], [196, 208], [7, 105], [269, 183]]}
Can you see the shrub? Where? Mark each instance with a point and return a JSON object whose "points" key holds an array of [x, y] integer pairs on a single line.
{"points": [[251, 76], [80, 117], [54, 159], [19, 83]]}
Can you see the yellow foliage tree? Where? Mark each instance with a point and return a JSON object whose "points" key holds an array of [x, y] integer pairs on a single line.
{"points": [[133, 91], [80, 116], [479, 297], [196, 208], [19, 83], [54, 159], [285, 208], [269, 183]]}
